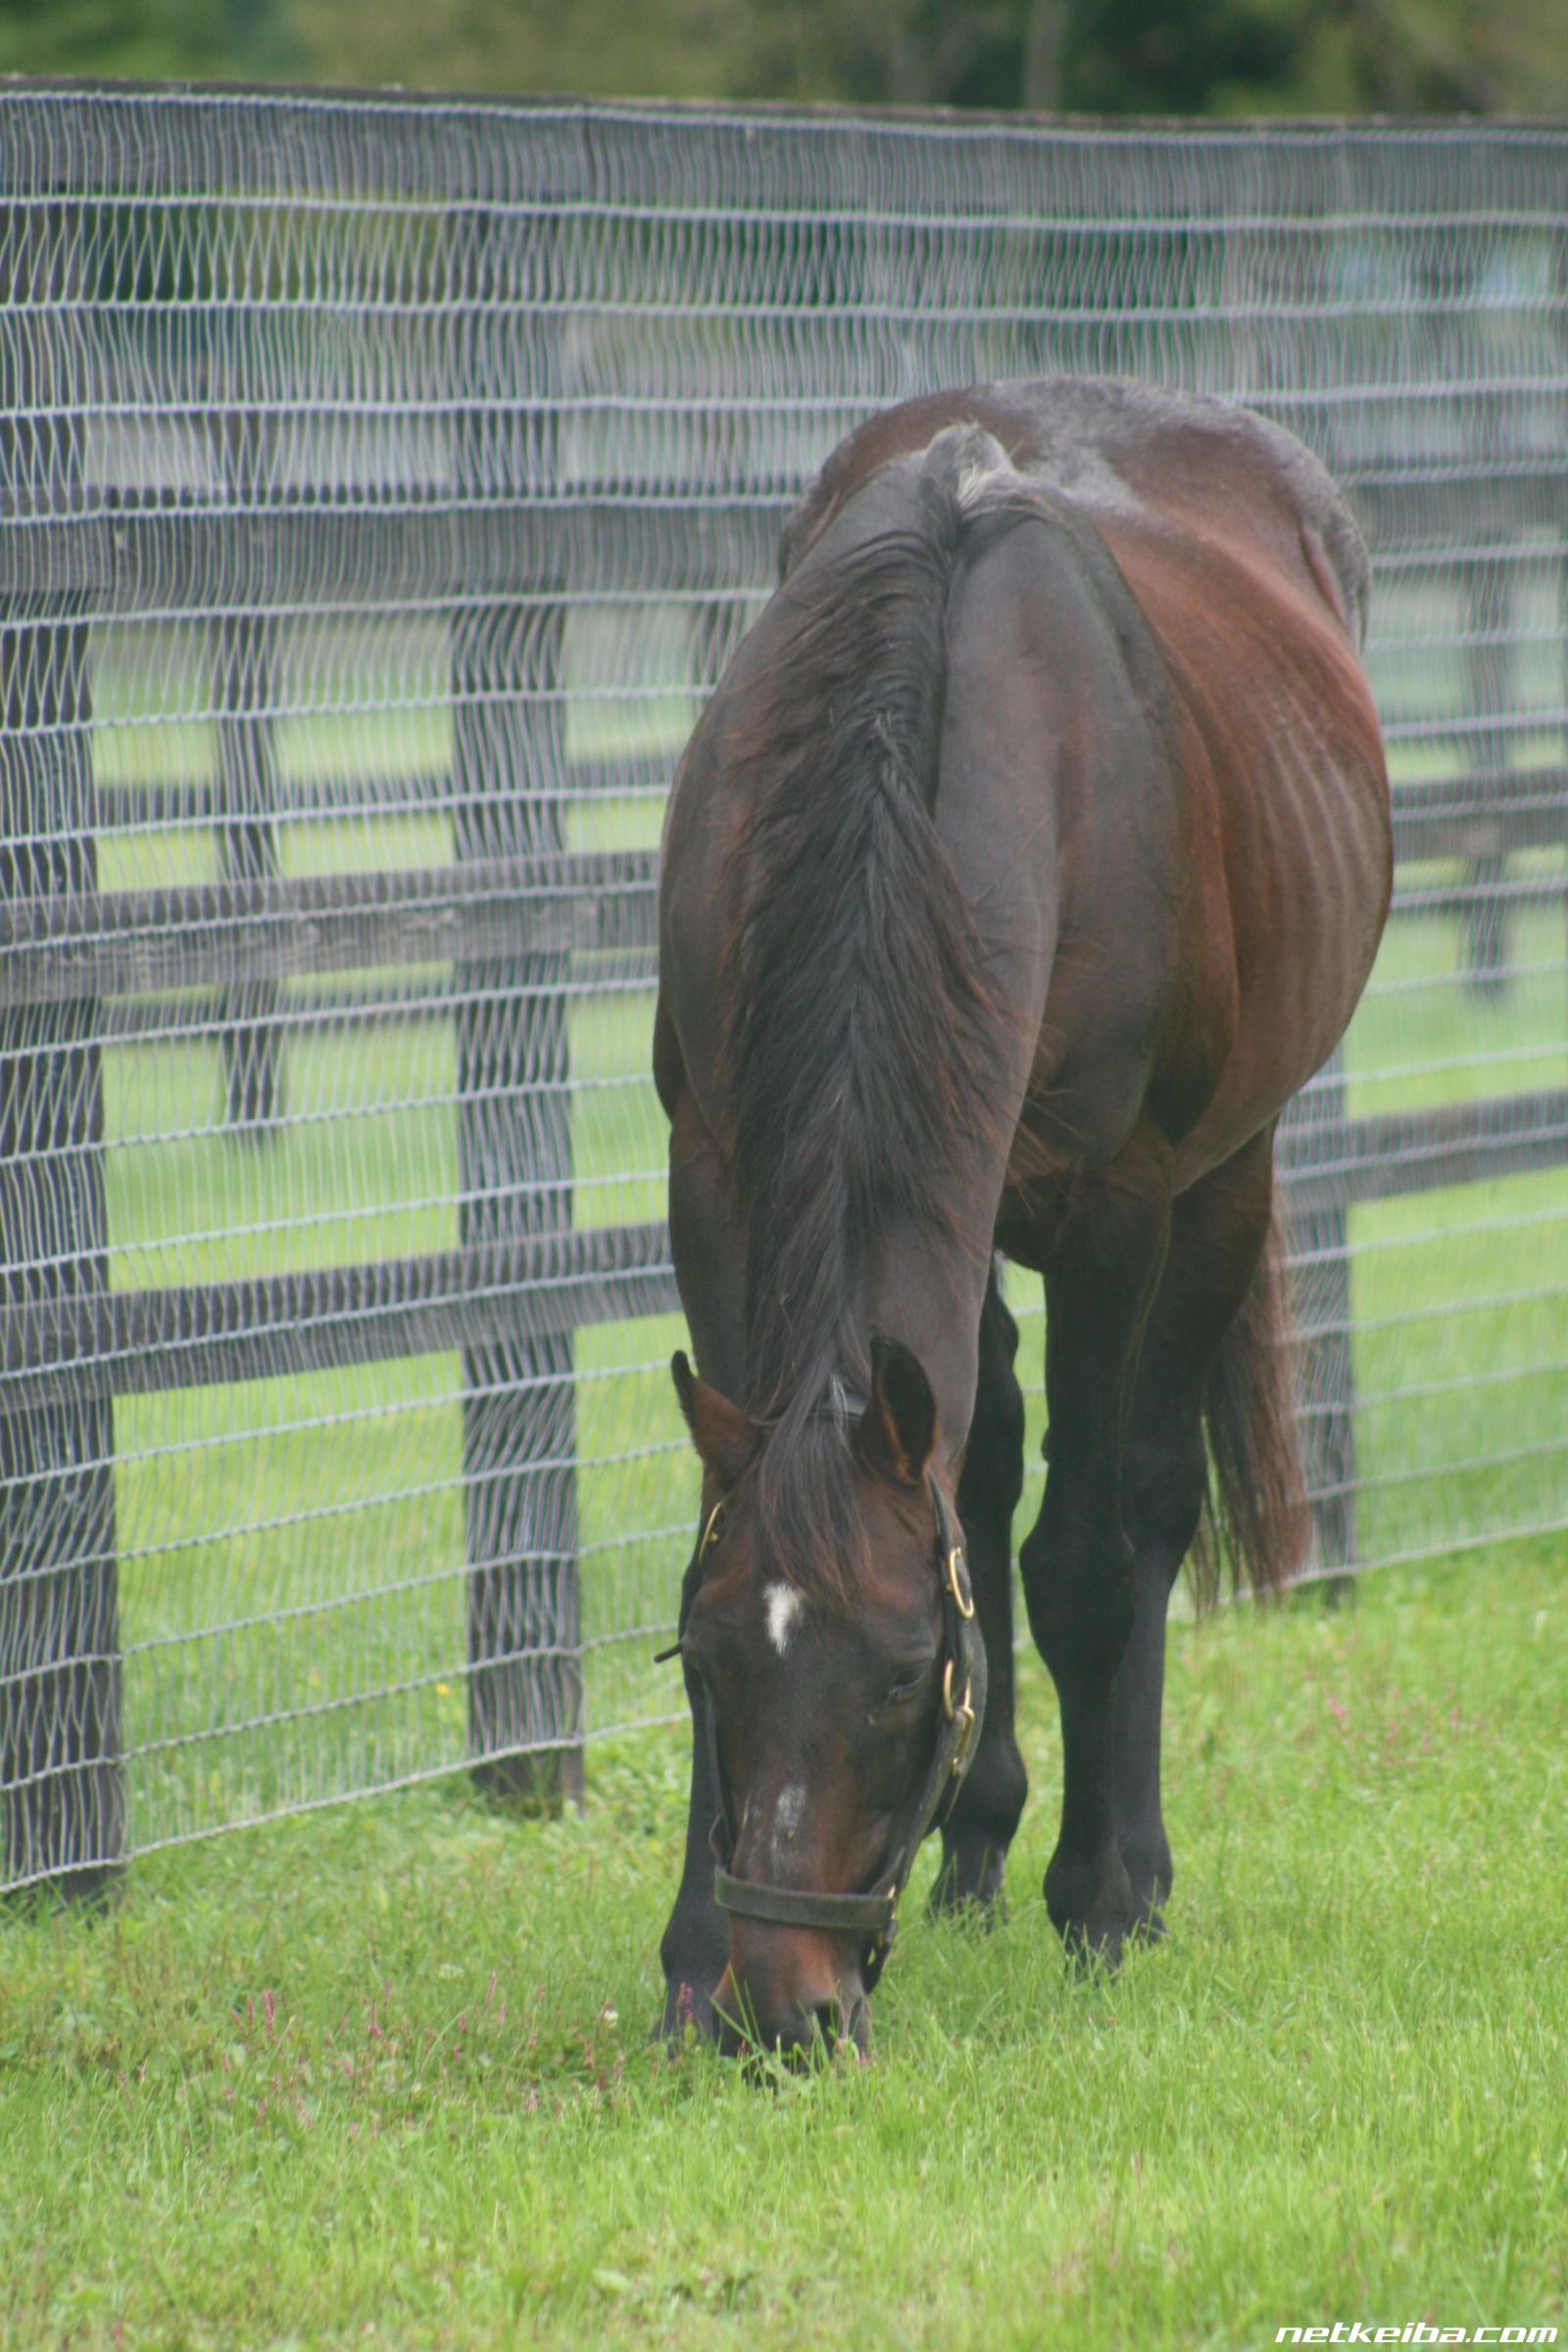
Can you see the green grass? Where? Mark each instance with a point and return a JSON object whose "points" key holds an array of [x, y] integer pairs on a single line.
{"points": [[382, 2075]]}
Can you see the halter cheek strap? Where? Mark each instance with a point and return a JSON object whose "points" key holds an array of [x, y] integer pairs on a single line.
{"points": [[874, 1915]]}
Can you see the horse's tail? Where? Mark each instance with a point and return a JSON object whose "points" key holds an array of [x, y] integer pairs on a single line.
{"points": [[1255, 1515]]}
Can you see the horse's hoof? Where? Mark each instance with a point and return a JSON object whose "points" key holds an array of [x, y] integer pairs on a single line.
{"points": [[964, 1889], [1091, 1910]]}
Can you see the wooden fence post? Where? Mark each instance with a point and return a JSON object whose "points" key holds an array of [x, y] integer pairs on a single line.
{"points": [[514, 1152], [1316, 1133], [62, 1798], [1488, 612], [250, 1040]]}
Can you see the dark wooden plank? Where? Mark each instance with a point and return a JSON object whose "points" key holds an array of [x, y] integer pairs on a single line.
{"points": [[416, 792], [277, 1327], [189, 559], [354, 1004], [1426, 897], [1485, 814], [50, 555], [271, 1327], [1488, 813], [1395, 1153], [60, 947], [120, 138], [1411, 502], [1485, 925], [333, 550]]}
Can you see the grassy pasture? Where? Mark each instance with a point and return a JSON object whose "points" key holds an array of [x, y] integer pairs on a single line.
{"points": [[382, 2075]]}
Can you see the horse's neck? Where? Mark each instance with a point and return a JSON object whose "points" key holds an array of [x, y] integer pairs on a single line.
{"points": [[927, 1291]]}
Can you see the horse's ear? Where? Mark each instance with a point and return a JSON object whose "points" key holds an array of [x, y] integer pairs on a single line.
{"points": [[726, 1438], [899, 1426]]}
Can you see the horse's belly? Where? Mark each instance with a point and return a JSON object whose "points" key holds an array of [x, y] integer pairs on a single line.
{"points": [[1307, 933]]}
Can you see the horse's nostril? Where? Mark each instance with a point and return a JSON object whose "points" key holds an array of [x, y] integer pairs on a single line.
{"points": [[778, 2001]]}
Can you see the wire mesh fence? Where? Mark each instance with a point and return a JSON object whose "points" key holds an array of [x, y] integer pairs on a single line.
{"points": [[383, 484]]}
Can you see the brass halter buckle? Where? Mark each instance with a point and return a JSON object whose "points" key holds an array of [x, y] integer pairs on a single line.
{"points": [[960, 1714], [957, 1583]]}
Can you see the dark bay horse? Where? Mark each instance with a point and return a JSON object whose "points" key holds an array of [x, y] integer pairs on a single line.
{"points": [[1032, 851]]}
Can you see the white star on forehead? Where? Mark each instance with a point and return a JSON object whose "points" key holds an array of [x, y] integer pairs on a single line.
{"points": [[784, 1607]]}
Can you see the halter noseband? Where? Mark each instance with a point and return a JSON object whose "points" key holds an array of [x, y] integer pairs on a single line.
{"points": [[874, 1913]]}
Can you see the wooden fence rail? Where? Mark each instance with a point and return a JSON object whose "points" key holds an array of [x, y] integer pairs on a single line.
{"points": [[536, 900], [534, 1287]]}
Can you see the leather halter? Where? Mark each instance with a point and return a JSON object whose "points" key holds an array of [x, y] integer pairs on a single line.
{"points": [[874, 1913]]}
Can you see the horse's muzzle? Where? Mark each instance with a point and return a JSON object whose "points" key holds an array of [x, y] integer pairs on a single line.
{"points": [[794, 2012]]}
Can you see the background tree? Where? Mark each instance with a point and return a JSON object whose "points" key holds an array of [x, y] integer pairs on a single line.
{"points": [[1114, 57]]}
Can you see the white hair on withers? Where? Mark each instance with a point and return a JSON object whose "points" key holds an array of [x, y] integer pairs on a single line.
{"points": [[973, 463], [784, 1605]]}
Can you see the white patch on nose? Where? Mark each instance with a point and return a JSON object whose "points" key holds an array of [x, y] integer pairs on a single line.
{"points": [[787, 1815], [784, 1605], [790, 1811]]}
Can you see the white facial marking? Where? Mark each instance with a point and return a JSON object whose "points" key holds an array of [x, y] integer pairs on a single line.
{"points": [[788, 1814], [784, 1605]]}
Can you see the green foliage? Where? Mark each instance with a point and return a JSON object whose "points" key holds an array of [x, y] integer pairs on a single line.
{"points": [[1159, 57], [383, 2076], [589, 48], [129, 38], [1112, 56]]}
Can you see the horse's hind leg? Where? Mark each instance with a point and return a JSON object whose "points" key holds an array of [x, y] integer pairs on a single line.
{"points": [[1217, 1233], [1078, 1565], [977, 1834]]}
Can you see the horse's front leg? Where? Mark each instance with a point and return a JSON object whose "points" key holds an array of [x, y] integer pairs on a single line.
{"points": [[1077, 1565], [710, 1268], [980, 1830], [694, 1949]]}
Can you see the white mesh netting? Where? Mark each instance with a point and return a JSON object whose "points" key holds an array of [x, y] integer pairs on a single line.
{"points": [[383, 485]]}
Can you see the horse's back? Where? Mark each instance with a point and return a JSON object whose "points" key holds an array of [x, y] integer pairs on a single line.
{"points": [[1119, 450], [1239, 752]]}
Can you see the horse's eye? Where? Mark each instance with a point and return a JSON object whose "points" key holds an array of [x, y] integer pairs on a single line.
{"points": [[906, 1686], [717, 1527]]}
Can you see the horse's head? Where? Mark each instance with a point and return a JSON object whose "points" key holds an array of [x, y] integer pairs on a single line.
{"points": [[841, 1701]]}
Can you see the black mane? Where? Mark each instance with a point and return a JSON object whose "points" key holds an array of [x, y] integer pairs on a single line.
{"points": [[859, 1026]]}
